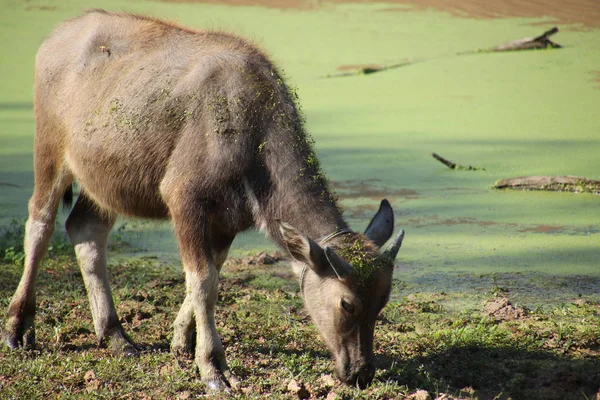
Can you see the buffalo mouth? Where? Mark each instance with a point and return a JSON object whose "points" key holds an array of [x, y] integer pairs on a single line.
{"points": [[360, 377]]}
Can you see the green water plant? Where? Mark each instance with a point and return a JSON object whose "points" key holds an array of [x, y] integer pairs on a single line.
{"points": [[364, 262]]}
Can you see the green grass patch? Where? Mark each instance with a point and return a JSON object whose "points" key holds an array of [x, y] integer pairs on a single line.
{"points": [[491, 350]]}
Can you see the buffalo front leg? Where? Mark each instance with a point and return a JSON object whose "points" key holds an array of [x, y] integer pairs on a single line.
{"points": [[88, 230], [184, 327], [196, 318]]}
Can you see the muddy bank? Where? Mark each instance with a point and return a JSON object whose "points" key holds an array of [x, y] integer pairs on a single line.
{"points": [[584, 12]]}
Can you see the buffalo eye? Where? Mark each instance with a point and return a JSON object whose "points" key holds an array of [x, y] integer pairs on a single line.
{"points": [[348, 307]]}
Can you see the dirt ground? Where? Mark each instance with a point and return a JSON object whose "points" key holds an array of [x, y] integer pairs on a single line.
{"points": [[584, 12]]}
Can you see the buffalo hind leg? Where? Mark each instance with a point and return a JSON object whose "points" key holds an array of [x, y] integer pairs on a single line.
{"points": [[50, 184], [19, 329], [202, 257], [88, 230]]}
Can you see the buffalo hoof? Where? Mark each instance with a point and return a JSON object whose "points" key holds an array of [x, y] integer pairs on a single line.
{"points": [[182, 346], [120, 345], [225, 383], [19, 333]]}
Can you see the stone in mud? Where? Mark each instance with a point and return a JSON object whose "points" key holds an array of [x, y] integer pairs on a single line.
{"points": [[502, 310]]}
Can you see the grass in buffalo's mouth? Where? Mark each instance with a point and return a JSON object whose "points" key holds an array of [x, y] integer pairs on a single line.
{"points": [[497, 350]]}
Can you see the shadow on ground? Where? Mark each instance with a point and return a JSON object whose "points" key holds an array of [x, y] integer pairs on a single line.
{"points": [[497, 372]]}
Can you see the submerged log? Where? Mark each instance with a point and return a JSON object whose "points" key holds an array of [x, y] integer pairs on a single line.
{"points": [[540, 42], [568, 183]]}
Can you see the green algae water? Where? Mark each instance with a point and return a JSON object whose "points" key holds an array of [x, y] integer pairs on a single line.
{"points": [[514, 114]]}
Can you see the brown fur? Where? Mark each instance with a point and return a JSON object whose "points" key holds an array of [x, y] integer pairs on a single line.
{"points": [[159, 121]]}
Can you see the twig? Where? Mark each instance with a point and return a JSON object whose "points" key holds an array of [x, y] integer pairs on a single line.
{"points": [[452, 165], [441, 159]]}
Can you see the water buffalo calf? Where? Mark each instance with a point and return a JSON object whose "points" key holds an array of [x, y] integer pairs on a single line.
{"points": [[155, 120]]}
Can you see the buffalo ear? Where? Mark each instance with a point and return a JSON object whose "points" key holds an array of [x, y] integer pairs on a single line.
{"points": [[381, 227], [303, 249]]}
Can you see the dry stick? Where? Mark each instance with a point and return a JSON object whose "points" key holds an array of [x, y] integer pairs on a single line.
{"points": [[452, 165], [372, 69], [441, 159]]}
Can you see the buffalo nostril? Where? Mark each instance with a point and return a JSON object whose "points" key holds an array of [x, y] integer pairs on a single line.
{"points": [[365, 376]]}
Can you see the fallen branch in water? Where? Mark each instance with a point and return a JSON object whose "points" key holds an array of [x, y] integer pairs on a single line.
{"points": [[568, 183], [540, 42], [369, 69], [9, 184], [452, 165]]}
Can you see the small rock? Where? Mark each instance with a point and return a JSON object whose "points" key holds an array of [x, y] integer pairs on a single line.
{"points": [[328, 380], [298, 389], [420, 395], [332, 396], [184, 395], [293, 386], [469, 390], [89, 376], [502, 310], [91, 383], [166, 369], [493, 306]]}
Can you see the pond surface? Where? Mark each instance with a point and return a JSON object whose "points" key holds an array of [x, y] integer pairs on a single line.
{"points": [[513, 114]]}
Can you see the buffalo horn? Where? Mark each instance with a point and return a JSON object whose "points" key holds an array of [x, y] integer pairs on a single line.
{"points": [[393, 249]]}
